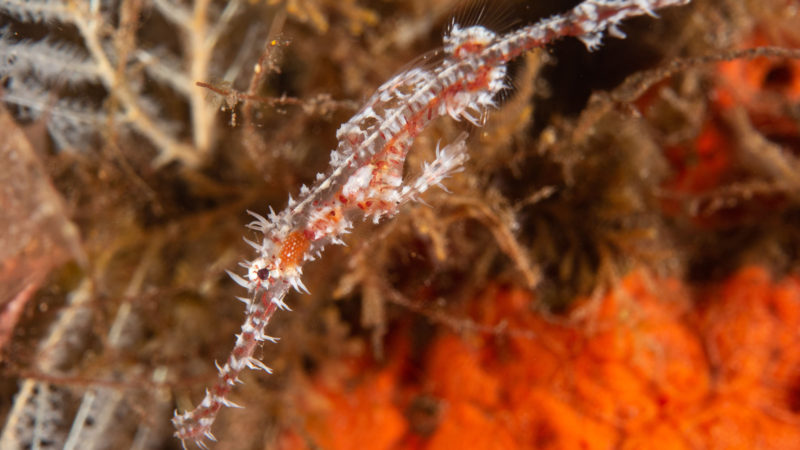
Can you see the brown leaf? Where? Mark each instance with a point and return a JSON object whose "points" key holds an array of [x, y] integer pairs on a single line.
{"points": [[35, 233]]}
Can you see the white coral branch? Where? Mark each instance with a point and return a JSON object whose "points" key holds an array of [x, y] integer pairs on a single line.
{"points": [[51, 62]]}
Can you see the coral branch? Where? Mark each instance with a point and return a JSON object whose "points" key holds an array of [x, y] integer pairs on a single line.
{"points": [[110, 57], [134, 113]]}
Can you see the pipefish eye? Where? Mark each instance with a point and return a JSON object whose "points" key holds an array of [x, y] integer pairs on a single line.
{"points": [[263, 274]]}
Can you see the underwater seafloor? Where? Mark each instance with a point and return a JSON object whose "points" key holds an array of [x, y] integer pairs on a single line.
{"points": [[616, 267]]}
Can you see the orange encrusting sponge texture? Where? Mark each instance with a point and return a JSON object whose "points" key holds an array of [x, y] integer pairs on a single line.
{"points": [[650, 366]]}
